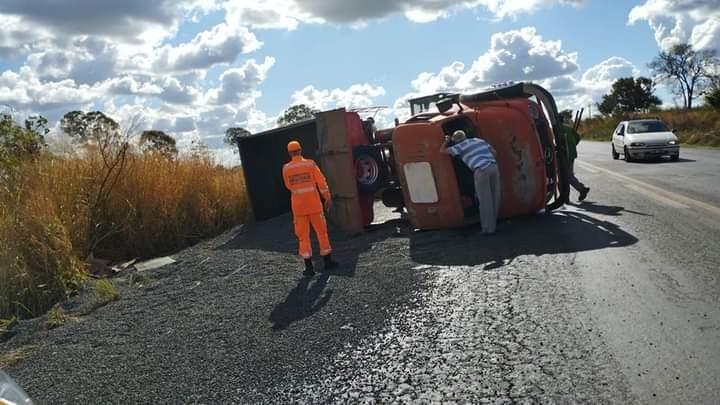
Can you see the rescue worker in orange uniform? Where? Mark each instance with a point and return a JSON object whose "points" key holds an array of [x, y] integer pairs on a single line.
{"points": [[303, 178]]}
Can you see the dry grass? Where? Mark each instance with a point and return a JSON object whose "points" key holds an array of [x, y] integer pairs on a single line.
{"points": [[11, 357], [157, 207], [695, 127], [6, 325], [56, 317]]}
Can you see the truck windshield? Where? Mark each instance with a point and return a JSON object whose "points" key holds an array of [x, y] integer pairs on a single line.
{"points": [[421, 107], [641, 127]]}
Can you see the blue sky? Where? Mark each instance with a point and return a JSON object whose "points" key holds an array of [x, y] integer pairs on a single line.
{"points": [[197, 67], [398, 49]]}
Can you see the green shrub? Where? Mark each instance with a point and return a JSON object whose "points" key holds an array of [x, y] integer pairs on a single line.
{"points": [[713, 99], [105, 291]]}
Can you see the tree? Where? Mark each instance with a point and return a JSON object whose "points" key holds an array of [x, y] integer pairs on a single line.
{"points": [[629, 95], [159, 142], [713, 98], [94, 126], [296, 113], [38, 125], [233, 135], [107, 145], [18, 143], [690, 70]]}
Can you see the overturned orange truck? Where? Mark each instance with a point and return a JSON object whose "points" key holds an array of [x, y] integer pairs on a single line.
{"points": [[405, 168]]}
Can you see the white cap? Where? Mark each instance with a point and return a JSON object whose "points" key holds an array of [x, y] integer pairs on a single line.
{"points": [[458, 136]]}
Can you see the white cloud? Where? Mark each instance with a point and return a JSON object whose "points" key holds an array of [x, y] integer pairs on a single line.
{"points": [[517, 55], [85, 60], [448, 79], [575, 93], [131, 85], [16, 38], [238, 85], [355, 96], [610, 70], [560, 78], [26, 92], [278, 14], [221, 44], [681, 21]]}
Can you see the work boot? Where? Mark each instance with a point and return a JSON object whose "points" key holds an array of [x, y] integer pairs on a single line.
{"points": [[584, 194], [329, 262], [309, 268]]}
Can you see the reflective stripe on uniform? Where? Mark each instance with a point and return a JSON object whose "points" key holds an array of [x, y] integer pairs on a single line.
{"points": [[299, 164], [303, 190]]}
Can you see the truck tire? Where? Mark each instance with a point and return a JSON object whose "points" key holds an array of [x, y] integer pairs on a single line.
{"points": [[370, 169]]}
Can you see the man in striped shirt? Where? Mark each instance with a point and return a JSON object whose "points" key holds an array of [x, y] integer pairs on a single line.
{"points": [[479, 156]]}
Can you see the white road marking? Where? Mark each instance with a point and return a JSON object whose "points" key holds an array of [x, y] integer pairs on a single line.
{"points": [[587, 169], [657, 192]]}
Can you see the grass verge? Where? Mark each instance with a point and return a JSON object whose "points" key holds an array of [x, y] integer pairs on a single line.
{"points": [[698, 127], [49, 210]]}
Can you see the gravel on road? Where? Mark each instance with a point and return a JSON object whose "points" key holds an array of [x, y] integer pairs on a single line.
{"points": [[410, 317]]}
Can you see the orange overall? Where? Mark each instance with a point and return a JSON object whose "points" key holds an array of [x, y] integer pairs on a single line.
{"points": [[303, 178]]}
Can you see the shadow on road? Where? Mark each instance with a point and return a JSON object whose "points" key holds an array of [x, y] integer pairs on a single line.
{"points": [[277, 235], [608, 210], [663, 160], [307, 298], [562, 232]]}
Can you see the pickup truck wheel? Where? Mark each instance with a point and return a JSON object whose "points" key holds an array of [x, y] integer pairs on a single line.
{"points": [[370, 169], [675, 158], [615, 155]]}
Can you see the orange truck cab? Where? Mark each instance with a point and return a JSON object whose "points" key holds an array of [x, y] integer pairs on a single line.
{"points": [[519, 121]]}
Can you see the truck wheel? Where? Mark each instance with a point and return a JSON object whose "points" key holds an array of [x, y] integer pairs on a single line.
{"points": [[615, 155], [370, 169]]}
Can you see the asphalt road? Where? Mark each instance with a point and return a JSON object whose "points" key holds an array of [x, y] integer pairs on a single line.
{"points": [[657, 300], [611, 301]]}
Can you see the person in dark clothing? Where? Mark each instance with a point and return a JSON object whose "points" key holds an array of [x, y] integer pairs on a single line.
{"points": [[572, 139]]}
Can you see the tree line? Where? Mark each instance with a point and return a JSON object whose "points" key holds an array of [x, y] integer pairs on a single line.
{"points": [[689, 73], [19, 142]]}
